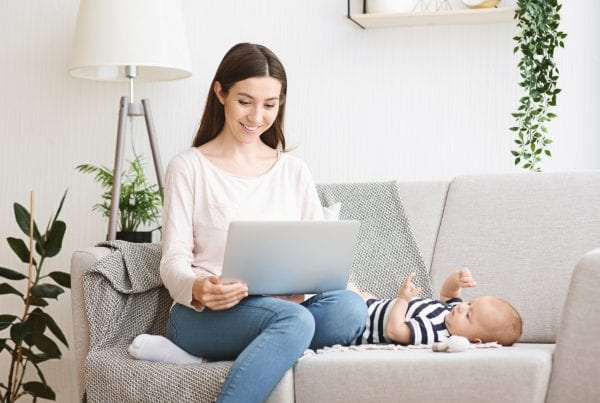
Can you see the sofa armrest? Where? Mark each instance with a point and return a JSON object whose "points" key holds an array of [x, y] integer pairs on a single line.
{"points": [[577, 356], [81, 262]]}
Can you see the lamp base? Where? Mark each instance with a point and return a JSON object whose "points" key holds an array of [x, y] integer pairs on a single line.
{"points": [[128, 109]]}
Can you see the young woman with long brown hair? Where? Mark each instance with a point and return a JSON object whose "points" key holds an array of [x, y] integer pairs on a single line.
{"points": [[238, 169]]}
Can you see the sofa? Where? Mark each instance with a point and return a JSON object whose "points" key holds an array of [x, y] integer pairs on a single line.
{"points": [[533, 239]]}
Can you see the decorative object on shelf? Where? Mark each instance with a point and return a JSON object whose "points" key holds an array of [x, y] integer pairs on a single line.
{"points": [[406, 6], [460, 15], [29, 344], [139, 202], [481, 3], [121, 40], [432, 5], [537, 38], [389, 6]]}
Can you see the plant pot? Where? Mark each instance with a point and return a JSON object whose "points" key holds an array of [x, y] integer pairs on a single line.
{"points": [[135, 236]]}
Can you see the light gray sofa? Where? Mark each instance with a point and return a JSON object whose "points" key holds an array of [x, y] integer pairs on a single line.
{"points": [[529, 238]]}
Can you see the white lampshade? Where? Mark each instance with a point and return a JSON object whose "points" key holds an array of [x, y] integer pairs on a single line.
{"points": [[148, 34]]}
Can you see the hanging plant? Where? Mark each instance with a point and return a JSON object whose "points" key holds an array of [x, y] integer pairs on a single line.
{"points": [[538, 37]]}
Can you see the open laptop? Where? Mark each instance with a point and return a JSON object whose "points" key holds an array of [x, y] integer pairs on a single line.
{"points": [[290, 257]]}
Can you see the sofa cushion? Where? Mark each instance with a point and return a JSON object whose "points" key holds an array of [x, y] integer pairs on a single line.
{"points": [[386, 249], [521, 235], [509, 374]]}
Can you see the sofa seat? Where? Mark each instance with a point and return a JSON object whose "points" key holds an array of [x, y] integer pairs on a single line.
{"points": [[520, 373]]}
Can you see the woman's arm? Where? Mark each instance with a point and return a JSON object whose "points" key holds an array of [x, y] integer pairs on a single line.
{"points": [[310, 205], [185, 286], [177, 233]]}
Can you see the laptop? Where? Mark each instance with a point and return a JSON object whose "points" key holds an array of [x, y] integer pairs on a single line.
{"points": [[290, 257]]}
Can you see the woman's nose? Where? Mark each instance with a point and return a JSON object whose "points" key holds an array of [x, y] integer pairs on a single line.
{"points": [[255, 115]]}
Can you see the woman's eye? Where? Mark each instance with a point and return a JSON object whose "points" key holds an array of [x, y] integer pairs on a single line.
{"points": [[244, 103], [270, 106]]}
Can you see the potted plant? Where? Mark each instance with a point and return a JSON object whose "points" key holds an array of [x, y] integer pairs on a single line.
{"points": [[29, 345], [139, 202], [538, 37]]}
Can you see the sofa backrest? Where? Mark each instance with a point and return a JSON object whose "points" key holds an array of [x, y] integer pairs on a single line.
{"points": [[521, 235]]}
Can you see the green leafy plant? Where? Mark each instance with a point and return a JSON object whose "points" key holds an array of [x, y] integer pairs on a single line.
{"points": [[29, 344], [538, 37], [139, 202]]}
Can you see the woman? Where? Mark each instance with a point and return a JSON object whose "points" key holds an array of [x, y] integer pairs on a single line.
{"points": [[236, 169]]}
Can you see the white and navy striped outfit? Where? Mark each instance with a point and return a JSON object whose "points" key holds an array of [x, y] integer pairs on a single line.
{"points": [[424, 316]]}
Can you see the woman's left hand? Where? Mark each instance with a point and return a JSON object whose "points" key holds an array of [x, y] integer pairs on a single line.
{"points": [[297, 298]]}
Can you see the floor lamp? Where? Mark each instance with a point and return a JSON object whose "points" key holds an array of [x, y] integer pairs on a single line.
{"points": [[129, 40]]}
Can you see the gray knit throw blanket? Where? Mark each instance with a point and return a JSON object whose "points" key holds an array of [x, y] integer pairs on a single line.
{"points": [[124, 297], [386, 250]]}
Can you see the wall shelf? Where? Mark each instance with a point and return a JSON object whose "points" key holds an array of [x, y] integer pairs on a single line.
{"points": [[447, 17]]}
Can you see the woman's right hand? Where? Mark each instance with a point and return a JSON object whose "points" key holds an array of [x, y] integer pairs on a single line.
{"points": [[211, 293]]}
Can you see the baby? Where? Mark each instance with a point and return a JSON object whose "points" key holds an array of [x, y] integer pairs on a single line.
{"points": [[409, 320]]}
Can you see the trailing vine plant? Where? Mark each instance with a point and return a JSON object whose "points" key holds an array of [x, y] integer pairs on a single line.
{"points": [[538, 37], [28, 343]]}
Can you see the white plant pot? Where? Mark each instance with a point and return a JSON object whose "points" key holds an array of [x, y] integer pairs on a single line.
{"points": [[390, 6]]}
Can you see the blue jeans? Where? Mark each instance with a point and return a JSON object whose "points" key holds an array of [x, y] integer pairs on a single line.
{"points": [[266, 336]]}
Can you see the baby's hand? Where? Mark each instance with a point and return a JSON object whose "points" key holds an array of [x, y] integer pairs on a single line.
{"points": [[408, 290], [464, 278]]}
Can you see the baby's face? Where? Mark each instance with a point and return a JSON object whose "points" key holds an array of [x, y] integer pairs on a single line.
{"points": [[474, 319]]}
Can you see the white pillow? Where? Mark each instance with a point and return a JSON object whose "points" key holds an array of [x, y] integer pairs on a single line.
{"points": [[332, 213]]}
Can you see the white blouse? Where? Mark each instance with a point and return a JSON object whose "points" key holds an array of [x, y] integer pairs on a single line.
{"points": [[200, 200]]}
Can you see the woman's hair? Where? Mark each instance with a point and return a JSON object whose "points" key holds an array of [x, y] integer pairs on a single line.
{"points": [[244, 60]]}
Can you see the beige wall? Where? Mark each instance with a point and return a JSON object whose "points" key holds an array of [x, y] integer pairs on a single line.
{"points": [[412, 103]]}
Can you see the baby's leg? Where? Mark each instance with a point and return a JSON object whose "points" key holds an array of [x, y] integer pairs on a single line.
{"points": [[158, 348]]}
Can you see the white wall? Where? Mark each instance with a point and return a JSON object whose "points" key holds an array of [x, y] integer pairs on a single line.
{"points": [[424, 103]]}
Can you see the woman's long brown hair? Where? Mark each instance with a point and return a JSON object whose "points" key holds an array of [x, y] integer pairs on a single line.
{"points": [[244, 60]]}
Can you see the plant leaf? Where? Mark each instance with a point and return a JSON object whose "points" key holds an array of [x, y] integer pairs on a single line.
{"points": [[22, 216], [35, 324], [54, 238], [6, 321], [11, 274], [18, 246], [9, 289], [40, 390], [37, 301], [60, 206], [35, 358], [46, 291], [45, 344], [16, 332], [61, 278], [51, 325]]}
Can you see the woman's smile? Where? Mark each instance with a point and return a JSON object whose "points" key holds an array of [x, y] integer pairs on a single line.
{"points": [[250, 129]]}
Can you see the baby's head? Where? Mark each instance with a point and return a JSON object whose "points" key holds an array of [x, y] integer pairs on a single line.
{"points": [[485, 319]]}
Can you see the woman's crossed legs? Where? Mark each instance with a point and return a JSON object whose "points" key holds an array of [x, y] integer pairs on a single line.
{"points": [[267, 335]]}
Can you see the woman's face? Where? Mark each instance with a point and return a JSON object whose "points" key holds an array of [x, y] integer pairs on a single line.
{"points": [[251, 107]]}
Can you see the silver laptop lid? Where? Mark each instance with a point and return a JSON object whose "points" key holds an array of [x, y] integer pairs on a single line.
{"points": [[290, 257]]}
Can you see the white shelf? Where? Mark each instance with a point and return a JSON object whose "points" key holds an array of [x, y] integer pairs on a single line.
{"points": [[449, 17]]}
